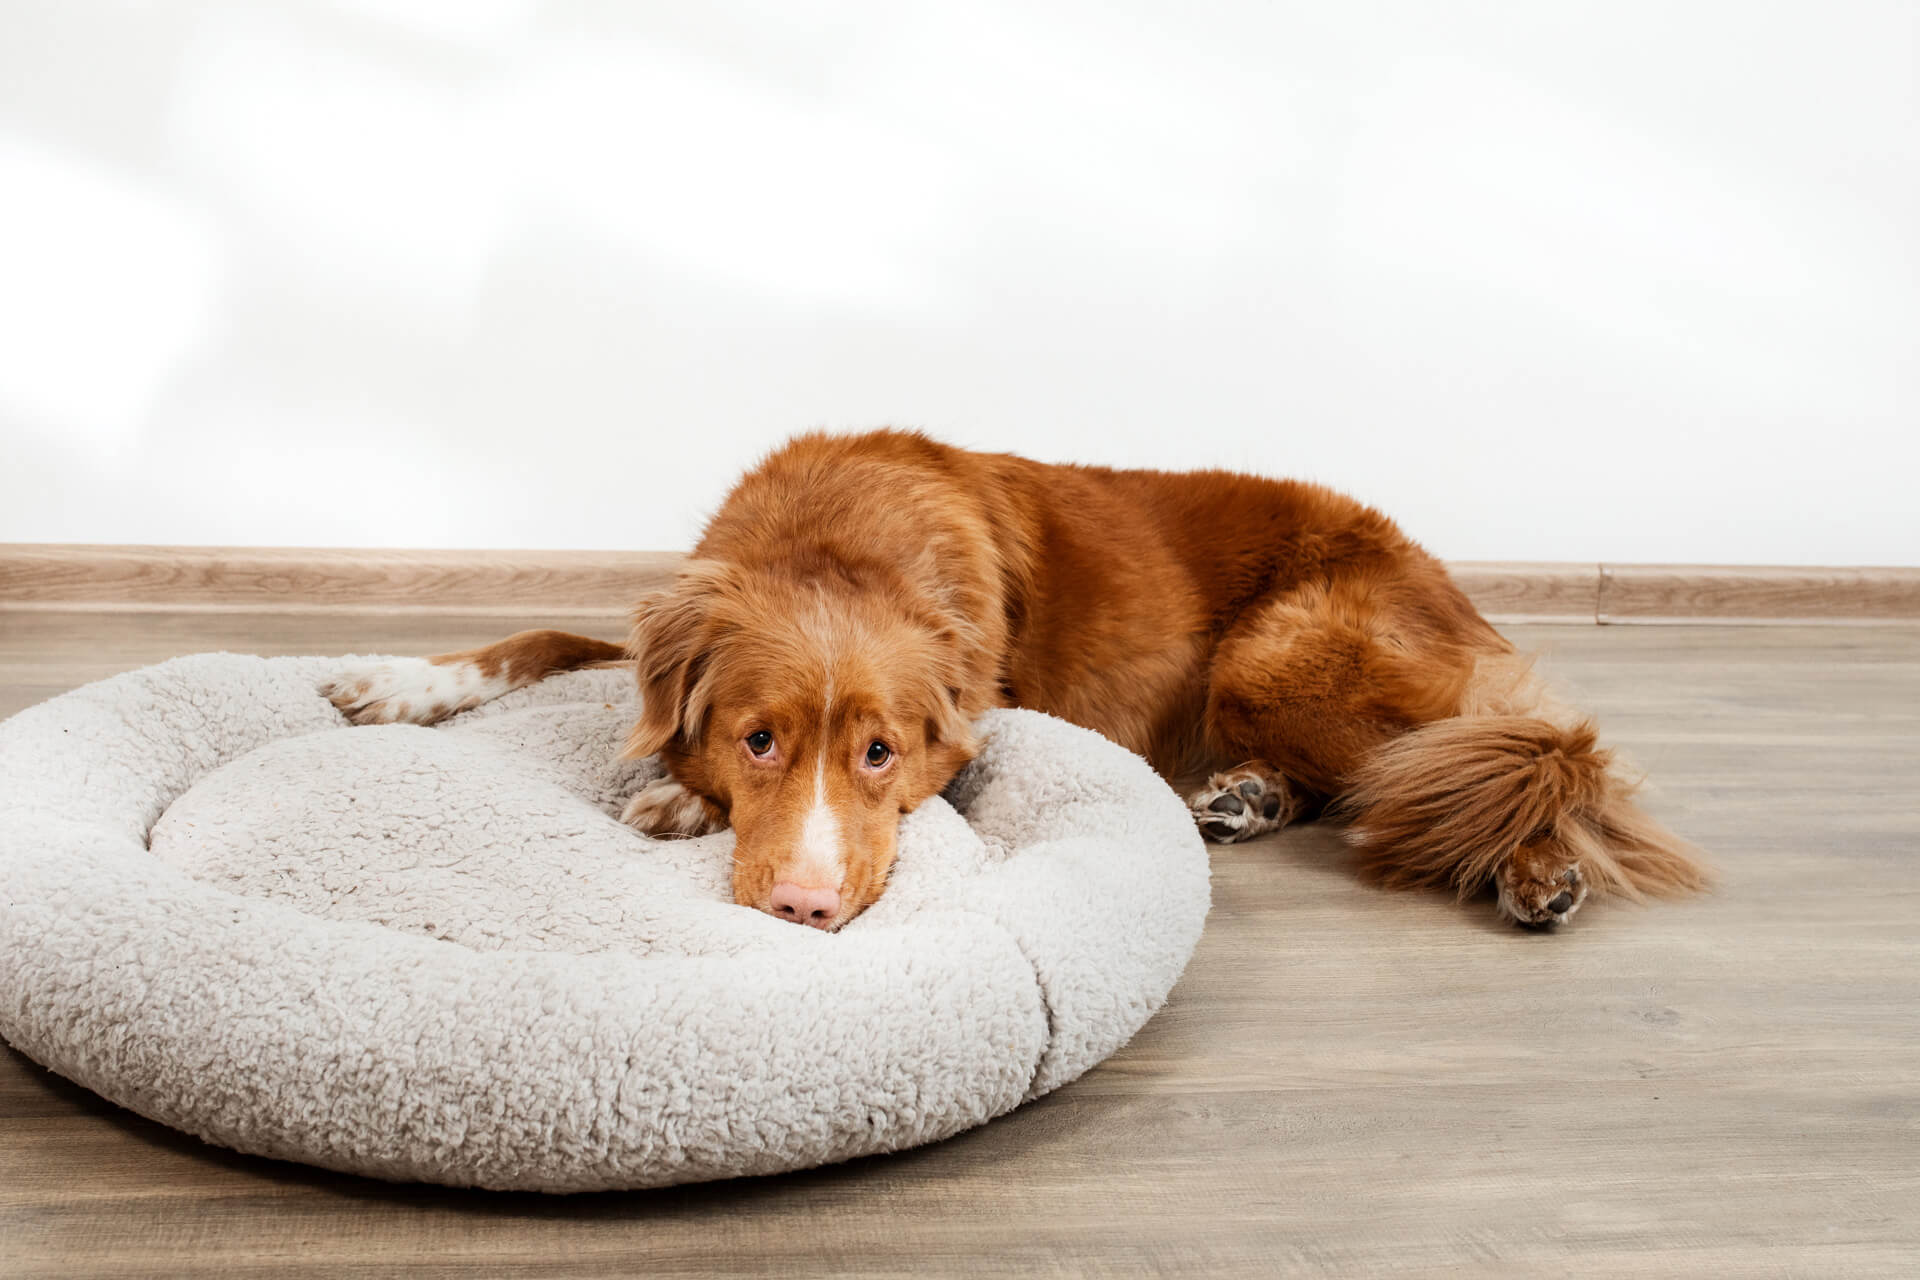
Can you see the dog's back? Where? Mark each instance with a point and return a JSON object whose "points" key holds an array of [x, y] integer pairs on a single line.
{"points": [[1099, 593]]}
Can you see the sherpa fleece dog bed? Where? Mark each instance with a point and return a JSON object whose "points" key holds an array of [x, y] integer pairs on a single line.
{"points": [[437, 954]]}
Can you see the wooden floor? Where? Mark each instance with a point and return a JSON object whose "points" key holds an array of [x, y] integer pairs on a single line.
{"points": [[1344, 1081]]}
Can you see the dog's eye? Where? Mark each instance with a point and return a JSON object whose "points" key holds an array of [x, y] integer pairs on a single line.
{"points": [[878, 753], [760, 742]]}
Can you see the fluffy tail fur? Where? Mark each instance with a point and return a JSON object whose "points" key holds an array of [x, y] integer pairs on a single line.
{"points": [[1532, 806]]}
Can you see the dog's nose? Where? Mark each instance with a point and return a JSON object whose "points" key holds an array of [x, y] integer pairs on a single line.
{"points": [[816, 907]]}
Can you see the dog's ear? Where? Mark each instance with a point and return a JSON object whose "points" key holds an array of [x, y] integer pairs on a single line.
{"points": [[672, 633], [944, 696], [950, 739]]}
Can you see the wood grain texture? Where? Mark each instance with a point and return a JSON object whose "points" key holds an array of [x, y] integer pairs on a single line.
{"points": [[583, 583], [1344, 1082], [1529, 591], [1757, 593], [327, 580], [606, 583]]}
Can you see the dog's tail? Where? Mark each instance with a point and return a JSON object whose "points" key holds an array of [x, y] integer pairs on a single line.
{"points": [[1529, 804]]}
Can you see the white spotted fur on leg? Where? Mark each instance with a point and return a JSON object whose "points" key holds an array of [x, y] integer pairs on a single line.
{"points": [[665, 808], [1241, 803], [411, 690]]}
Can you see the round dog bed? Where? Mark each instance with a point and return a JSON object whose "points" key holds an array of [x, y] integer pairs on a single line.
{"points": [[436, 954]]}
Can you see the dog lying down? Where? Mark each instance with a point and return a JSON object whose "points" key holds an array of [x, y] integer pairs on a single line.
{"points": [[815, 670]]}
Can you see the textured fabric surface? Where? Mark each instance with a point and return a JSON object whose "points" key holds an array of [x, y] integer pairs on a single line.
{"points": [[436, 954]]}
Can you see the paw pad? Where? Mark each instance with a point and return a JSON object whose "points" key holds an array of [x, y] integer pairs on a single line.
{"points": [[1238, 805], [1537, 899]]}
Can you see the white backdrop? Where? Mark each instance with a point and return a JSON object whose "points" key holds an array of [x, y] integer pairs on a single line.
{"points": [[1546, 279]]}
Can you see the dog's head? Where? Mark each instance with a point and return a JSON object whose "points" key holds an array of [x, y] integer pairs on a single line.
{"points": [[814, 712]]}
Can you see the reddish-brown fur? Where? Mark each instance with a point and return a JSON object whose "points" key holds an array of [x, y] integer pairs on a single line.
{"points": [[885, 586], [528, 656]]}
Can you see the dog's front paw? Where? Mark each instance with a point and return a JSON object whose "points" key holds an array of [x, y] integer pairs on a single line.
{"points": [[409, 690], [665, 808], [1242, 803], [1538, 890]]}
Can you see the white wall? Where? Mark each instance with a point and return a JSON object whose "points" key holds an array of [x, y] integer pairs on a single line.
{"points": [[1546, 279]]}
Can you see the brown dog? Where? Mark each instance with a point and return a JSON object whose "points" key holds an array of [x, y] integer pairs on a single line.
{"points": [[814, 672]]}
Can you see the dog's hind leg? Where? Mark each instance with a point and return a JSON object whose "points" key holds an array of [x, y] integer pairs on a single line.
{"points": [[427, 690], [1310, 683], [1290, 700], [1510, 789], [1453, 766]]}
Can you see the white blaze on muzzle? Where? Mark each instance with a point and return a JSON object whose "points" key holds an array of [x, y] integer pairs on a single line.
{"points": [[819, 860]]}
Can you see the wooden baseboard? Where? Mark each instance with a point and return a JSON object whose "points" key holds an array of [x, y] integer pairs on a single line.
{"points": [[1679, 593], [1529, 591], [327, 579], [605, 583]]}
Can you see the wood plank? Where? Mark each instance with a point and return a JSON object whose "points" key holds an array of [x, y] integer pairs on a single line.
{"points": [[1529, 591], [1344, 1081], [322, 580], [1657, 593], [292, 580]]}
